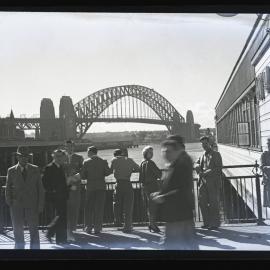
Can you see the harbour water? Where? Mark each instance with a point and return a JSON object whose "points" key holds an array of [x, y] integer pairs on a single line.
{"points": [[193, 149]]}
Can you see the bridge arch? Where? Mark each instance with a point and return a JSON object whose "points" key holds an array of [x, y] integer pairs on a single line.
{"points": [[91, 107]]}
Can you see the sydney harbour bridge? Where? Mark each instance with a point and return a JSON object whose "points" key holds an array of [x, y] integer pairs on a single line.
{"points": [[126, 103]]}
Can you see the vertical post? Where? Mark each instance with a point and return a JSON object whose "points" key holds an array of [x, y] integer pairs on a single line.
{"points": [[258, 193]]}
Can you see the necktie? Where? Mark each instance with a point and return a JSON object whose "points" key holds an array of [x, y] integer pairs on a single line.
{"points": [[24, 173]]}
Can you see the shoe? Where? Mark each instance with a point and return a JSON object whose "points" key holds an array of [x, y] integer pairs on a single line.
{"points": [[154, 228], [96, 232], [205, 226], [88, 230], [213, 228], [125, 230], [61, 242]]}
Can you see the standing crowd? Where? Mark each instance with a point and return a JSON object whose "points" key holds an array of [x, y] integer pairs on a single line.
{"points": [[168, 193]]}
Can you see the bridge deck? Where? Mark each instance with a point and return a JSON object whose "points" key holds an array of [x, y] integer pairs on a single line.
{"points": [[228, 237]]}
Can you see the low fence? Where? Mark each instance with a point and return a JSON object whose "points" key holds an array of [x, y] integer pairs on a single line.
{"points": [[240, 201], [241, 197]]}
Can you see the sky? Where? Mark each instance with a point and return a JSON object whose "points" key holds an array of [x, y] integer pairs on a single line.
{"points": [[187, 58]]}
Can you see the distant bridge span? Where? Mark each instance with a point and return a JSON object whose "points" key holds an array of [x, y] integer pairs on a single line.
{"points": [[125, 103], [90, 109]]}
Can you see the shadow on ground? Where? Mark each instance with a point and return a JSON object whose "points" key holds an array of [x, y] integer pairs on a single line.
{"points": [[115, 240], [222, 239], [214, 238]]}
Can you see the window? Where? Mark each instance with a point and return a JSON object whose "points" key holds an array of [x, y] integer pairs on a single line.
{"points": [[243, 134]]}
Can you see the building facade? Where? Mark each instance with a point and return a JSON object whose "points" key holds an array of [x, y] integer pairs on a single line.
{"points": [[8, 130], [243, 110]]}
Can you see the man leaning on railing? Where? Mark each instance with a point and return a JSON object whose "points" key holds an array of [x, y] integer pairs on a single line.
{"points": [[122, 167], [209, 169]]}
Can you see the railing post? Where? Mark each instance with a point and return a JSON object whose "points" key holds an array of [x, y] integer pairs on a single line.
{"points": [[258, 192]]}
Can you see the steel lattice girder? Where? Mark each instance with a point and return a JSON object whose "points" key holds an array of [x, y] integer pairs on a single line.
{"points": [[93, 105], [27, 123]]}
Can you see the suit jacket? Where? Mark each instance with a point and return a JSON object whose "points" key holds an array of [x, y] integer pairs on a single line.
{"points": [[177, 188], [54, 181], [211, 165], [122, 167], [94, 170], [28, 193]]}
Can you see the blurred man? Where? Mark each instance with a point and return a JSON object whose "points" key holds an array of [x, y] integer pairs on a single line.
{"points": [[209, 169], [25, 197], [73, 166], [94, 170], [57, 191], [176, 197], [123, 167]]}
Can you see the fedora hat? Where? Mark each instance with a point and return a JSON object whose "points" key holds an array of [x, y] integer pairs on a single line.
{"points": [[24, 151]]}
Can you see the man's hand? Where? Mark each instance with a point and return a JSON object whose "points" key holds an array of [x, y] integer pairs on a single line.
{"points": [[84, 181], [154, 194], [158, 199], [73, 179]]}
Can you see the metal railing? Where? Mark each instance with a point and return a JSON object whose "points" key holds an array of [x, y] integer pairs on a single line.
{"points": [[241, 196], [240, 201]]}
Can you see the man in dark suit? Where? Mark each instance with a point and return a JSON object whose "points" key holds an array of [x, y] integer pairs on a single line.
{"points": [[209, 168], [25, 197], [176, 197], [57, 191], [94, 170], [73, 166]]}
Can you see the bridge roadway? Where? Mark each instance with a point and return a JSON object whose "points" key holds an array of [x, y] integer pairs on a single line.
{"points": [[26, 123], [245, 237]]}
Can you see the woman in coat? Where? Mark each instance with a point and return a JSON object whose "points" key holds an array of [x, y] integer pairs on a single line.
{"points": [[149, 175]]}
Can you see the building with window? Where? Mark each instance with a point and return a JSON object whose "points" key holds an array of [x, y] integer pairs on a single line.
{"points": [[243, 109]]}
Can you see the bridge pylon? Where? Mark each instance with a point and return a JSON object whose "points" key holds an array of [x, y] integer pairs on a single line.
{"points": [[178, 127], [67, 114]]}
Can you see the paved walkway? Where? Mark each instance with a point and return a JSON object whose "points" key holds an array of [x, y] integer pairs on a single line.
{"points": [[231, 237]]}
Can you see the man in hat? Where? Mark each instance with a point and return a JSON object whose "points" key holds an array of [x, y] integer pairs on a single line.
{"points": [[25, 197], [57, 192], [209, 169], [94, 170], [176, 197], [122, 167]]}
